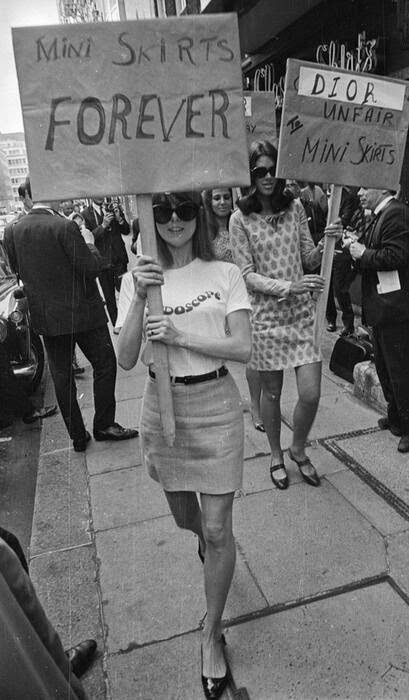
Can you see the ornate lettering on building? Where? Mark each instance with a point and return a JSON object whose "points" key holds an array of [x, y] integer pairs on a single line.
{"points": [[264, 79], [361, 59]]}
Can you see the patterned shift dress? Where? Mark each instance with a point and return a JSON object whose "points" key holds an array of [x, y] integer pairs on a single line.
{"points": [[279, 250]]}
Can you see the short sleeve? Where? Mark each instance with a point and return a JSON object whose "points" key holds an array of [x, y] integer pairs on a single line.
{"points": [[237, 292], [125, 297]]}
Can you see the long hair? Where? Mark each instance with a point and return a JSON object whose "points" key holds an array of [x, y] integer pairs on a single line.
{"points": [[281, 196], [201, 246], [211, 218]]}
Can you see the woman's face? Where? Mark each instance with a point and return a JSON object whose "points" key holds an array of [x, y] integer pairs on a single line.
{"points": [[264, 180], [178, 231], [221, 201]]}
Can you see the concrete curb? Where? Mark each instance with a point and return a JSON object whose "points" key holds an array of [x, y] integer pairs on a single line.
{"points": [[62, 553]]}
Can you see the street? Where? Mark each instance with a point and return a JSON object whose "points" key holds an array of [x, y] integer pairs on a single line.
{"points": [[318, 604]]}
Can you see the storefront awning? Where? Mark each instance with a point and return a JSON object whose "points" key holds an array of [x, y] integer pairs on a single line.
{"points": [[262, 20]]}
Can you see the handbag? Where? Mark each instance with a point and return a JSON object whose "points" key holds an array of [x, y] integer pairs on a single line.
{"points": [[347, 352]]}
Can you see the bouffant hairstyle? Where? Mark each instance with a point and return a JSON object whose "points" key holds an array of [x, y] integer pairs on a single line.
{"points": [[211, 219], [281, 197], [201, 245]]}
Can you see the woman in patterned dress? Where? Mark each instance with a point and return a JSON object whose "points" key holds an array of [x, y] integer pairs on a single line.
{"points": [[271, 244], [218, 206]]}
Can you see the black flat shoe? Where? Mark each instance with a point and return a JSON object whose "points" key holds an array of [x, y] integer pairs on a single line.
{"points": [[45, 412], [81, 445], [213, 688], [280, 483], [116, 432], [81, 656], [311, 479]]}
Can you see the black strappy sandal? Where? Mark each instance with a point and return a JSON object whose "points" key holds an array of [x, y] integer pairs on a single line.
{"points": [[311, 479]]}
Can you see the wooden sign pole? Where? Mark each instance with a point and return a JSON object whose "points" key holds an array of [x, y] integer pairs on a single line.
{"points": [[326, 264], [160, 352]]}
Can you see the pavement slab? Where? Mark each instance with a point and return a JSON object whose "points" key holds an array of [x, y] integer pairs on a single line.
{"points": [[166, 671], [125, 496], [61, 511], [352, 645], [374, 508], [107, 456], [346, 415], [398, 557], [377, 453], [308, 541], [152, 584]]}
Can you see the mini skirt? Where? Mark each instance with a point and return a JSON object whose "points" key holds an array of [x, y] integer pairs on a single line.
{"points": [[207, 455]]}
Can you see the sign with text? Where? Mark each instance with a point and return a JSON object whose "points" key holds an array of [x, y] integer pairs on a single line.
{"points": [[342, 127], [260, 116], [132, 107]]}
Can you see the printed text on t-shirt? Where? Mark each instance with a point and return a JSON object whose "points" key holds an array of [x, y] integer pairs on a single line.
{"points": [[190, 305]]}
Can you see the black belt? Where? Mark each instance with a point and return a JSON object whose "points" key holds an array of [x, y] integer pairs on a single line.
{"points": [[196, 378]]}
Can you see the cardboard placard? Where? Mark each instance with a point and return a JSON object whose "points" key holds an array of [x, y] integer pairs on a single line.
{"points": [[132, 107], [260, 116], [342, 127]]}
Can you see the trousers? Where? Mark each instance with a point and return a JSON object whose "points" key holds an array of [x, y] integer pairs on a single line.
{"points": [[391, 350], [97, 347]]}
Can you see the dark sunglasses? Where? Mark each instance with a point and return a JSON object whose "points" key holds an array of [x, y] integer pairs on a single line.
{"points": [[260, 172], [186, 211]]}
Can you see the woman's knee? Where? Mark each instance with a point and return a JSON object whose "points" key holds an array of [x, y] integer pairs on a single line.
{"points": [[217, 533], [310, 396]]}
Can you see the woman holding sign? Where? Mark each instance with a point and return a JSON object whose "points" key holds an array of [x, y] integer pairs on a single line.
{"points": [[272, 245], [200, 295]]}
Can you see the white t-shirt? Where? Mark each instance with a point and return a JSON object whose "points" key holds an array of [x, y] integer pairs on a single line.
{"points": [[197, 297]]}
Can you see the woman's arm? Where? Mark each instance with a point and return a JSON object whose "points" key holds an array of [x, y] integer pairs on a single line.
{"points": [[236, 346], [242, 256], [146, 273]]}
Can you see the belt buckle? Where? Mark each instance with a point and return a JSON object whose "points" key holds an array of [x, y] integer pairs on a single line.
{"points": [[187, 378]]}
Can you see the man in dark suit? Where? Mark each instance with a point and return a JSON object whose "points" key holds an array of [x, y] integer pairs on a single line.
{"points": [[108, 225], [58, 268], [384, 264]]}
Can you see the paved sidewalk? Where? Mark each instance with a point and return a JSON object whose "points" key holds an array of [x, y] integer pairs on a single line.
{"points": [[319, 602]]}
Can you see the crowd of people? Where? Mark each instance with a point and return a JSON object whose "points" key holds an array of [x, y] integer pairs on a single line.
{"points": [[240, 277]]}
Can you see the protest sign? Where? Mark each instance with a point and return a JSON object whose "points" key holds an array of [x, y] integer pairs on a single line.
{"points": [[260, 116], [342, 127], [132, 107]]}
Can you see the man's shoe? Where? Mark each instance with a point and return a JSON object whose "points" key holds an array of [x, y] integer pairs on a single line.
{"points": [[81, 444], [331, 327], [404, 444], [116, 432], [384, 424], [81, 656], [45, 412]]}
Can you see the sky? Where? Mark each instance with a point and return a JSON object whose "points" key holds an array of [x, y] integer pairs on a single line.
{"points": [[17, 13]]}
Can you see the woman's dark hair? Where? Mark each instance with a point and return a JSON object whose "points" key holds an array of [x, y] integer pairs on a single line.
{"points": [[281, 196], [211, 219], [201, 245], [25, 188]]}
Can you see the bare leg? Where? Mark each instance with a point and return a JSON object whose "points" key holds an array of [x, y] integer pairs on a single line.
{"points": [[218, 572], [253, 380], [186, 511], [309, 390], [272, 383]]}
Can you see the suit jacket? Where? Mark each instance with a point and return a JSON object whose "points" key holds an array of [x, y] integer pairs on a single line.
{"points": [[108, 240], [58, 270], [387, 248]]}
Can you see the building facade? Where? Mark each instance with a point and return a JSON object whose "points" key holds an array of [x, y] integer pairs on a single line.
{"points": [[13, 170]]}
